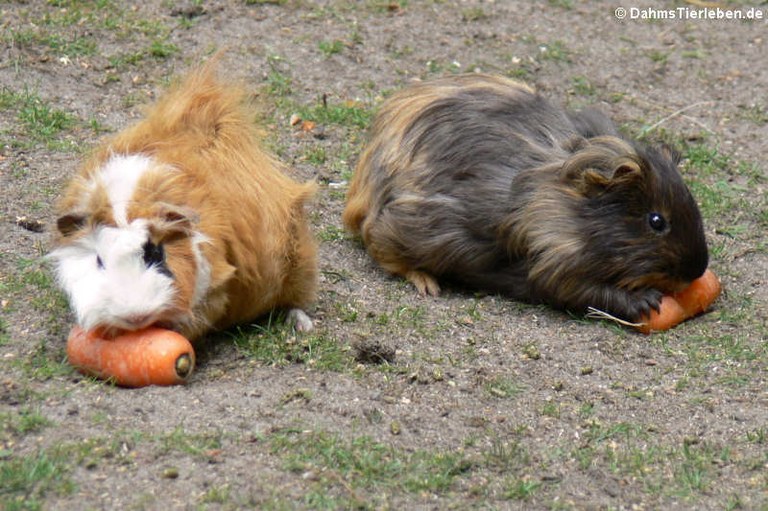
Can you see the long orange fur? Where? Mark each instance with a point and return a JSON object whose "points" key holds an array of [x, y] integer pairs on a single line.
{"points": [[261, 251]]}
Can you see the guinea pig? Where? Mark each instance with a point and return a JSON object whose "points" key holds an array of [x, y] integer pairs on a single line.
{"points": [[481, 181], [182, 221]]}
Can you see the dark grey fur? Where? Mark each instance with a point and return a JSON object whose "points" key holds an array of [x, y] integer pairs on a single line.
{"points": [[492, 186]]}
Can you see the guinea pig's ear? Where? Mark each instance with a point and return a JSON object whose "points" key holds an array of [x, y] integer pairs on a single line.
{"points": [[591, 182], [669, 152], [626, 171], [70, 223], [175, 220]]}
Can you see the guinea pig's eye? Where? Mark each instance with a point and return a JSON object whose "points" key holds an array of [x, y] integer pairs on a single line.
{"points": [[657, 222], [99, 263], [154, 255]]}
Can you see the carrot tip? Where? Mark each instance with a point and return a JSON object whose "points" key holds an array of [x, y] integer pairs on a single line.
{"points": [[184, 365], [685, 304]]}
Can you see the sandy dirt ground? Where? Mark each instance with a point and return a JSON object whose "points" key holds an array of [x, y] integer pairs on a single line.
{"points": [[466, 401]]}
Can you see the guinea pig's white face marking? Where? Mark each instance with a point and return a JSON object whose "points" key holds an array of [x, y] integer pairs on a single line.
{"points": [[119, 177], [109, 281]]}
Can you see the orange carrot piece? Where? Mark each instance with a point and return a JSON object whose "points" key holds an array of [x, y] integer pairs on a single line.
{"points": [[685, 304], [152, 356]]}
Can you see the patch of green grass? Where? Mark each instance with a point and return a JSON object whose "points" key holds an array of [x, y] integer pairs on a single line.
{"points": [[504, 387], [755, 113], [348, 114], [736, 356], [197, 445], [581, 86], [46, 360], [39, 281], [5, 336], [758, 435], [473, 14], [686, 470], [159, 48], [162, 49], [118, 448], [38, 122], [397, 51], [98, 127], [506, 455], [315, 154], [346, 311], [474, 310], [522, 72], [27, 479], [70, 12], [339, 164], [693, 54], [551, 409], [331, 233], [55, 20], [217, 494], [329, 48], [279, 81], [725, 202], [356, 472], [61, 45], [298, 394], [35, 282], [521, 489], [599, 433], [586, 410], [275, 343], [410, 316], [693, 467], [406, 319], [437, 67], [32, 283], [555, 51], [23, 422], [706, 160], [615, 97], [724, 206], [130, 25], [660, 57]]}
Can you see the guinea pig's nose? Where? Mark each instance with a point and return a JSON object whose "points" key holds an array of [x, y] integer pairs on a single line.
{"points": [[137, 320]]}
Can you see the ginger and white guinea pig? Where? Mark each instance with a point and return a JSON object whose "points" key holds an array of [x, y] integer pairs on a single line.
{"points": [[479, 180], [183, 221]]}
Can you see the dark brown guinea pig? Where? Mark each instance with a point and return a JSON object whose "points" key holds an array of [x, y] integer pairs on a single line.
{"points": [[479, 180]]}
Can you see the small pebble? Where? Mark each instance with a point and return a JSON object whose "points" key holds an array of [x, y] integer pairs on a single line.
{"points": [[532, 351], [170, 473]]}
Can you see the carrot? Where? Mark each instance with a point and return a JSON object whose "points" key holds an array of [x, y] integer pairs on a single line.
{"points": [[152, 356], [680, 306]]}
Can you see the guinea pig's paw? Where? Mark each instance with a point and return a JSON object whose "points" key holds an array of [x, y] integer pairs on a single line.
{"points": [[425, 283], [642, 301], [300, 320]]}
